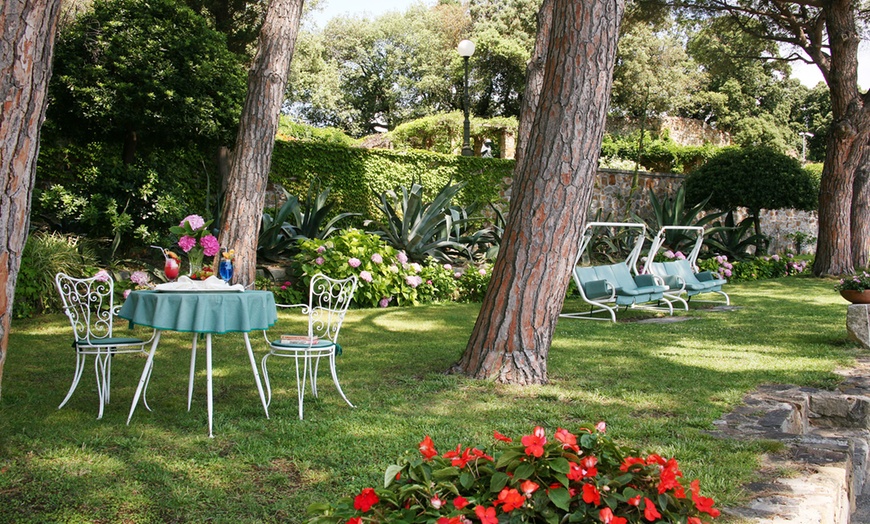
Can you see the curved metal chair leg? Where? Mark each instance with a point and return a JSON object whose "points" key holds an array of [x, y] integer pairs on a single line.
{"points": [[100, 367], [335, 379], [77, 376], [192, 371], [266, 379], [300, 385]]}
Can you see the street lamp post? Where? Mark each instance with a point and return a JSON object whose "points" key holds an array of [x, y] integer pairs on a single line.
{"points": [[804, 135], [466, 49]]}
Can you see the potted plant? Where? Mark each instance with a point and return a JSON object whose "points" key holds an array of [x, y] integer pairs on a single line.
{"points": [[854, 288]]}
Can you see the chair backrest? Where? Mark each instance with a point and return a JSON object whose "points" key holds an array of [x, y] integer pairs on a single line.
{"points": [[622, 276], [683, 269], [89, 305], [328, 300]]}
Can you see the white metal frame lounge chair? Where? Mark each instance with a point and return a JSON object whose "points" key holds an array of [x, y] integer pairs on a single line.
{"points": [[683, 276]]}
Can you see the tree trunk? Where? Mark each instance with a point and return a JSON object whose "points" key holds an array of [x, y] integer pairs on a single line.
{"points": [[534, 79], [860, 219], [252, 156], [552, 189], [846, 142], [27, 30]]}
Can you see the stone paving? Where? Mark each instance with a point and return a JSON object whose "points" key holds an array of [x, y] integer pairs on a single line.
{"points": [[821, 475]]}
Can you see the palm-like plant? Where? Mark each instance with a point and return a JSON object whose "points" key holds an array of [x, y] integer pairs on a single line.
{"points": [[422, 229], [673, 212]]}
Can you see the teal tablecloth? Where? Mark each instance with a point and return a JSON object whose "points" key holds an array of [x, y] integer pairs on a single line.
{"points": [[201, 312]]}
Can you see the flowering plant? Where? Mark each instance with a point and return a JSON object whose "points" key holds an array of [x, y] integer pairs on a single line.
{"points": [[196, 240], [542, 478], [860, 281]]}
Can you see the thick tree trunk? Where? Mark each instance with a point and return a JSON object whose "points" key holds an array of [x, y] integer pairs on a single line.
{"points": [[847, 140], [534, 79], [252, 156], [860, 219], [27, 29], [552, 188]]}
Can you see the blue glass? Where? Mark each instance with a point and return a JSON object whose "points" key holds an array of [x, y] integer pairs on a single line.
{"points": [[225, 269]]}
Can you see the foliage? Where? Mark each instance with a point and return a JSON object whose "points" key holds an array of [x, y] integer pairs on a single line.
{"points": [[800, 240], [754, 177], [44, 256], [860, 281], [473, 282], [421, 229], [660, 153], [149, 72], [442, 132], [757, 268], [285, 292], [276, 234], [583, 477], [734, 241], [87, 189], [673, 211], [289, 130], [356, 176]]}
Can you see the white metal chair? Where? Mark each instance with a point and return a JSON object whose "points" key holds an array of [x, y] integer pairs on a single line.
{"points": [[328, 301], [89, 305]]}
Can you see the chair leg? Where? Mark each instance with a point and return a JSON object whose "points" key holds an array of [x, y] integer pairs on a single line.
{"points": [[312, 376], [101, 366], [266, 380], [192, 370], [77, 375], [300, 385], [145, 387], [335, 379]]}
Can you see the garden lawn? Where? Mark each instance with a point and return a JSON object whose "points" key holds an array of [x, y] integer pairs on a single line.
{"points": [[659, 387]]}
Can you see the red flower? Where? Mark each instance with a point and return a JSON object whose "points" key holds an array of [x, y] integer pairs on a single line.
{"points": [[480, 454], [655, 459], [534, 443], [365, 500], [499, 436], [460, 502], [461, 458], [528, 487], [588, 465], [427, 448], [486, 515], [631, 461], [576, 472], [669, 473], [694, 520], [568, 440], [454, 520], [650, 512], [436, 502], [510, 498], [634, 501], [601, 427], [591, 495], [606, 515], [355, 520], [703, 504]]}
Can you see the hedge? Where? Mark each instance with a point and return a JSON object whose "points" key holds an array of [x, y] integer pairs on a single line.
{"points": [[358, 175]]}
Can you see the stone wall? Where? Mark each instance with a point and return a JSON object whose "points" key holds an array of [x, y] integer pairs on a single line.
{"points": [[683, 131], [613, 198]]}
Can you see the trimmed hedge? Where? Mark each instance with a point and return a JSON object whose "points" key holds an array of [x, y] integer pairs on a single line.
{"points": [[358, 175]]}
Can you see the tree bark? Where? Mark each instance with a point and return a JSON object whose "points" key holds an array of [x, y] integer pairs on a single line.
{"points": [[534, 79], [847, 141], [860, 219], [252, 156], [27, 30], [551, 193]]}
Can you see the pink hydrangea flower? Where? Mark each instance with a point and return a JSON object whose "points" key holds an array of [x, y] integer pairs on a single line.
{"points": [[457, 275], [210, 245], [195, 222], [140, 278], [775, 257], [102, 275], [354, 262], [321, 249], [727, 272], [394, 269], [186, 243], [366, 276], [428, 282], [482, 272], [413, 280], [319, 261], [384, 302], [402, 257], [680, 255], [448, 267], [127, 292], [416, 268], [377, 258], [668, 254]]}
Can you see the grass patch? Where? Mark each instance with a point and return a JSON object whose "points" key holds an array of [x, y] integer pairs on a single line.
{"points": [[658, 386]]}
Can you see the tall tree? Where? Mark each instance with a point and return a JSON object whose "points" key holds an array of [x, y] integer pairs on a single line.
{"points": [[552, 189], [27, 30], [252, 155], [828, 32]]}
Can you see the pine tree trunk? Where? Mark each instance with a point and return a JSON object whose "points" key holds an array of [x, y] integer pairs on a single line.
{"points": [[860, 219], [27, 30], [551, 193], [850, 130], [252, 156], [534, 79]]}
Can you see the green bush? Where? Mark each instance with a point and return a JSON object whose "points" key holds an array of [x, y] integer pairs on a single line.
{"points": [[759, 268], [45, 255], [356, 176], [288, 129], [660, 153], [443, 132]]}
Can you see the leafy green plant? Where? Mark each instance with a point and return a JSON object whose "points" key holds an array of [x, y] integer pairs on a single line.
{"points": [[585, 477], [421, 229], [800, 239], [732, 240], [45, 255], [673, 211]]}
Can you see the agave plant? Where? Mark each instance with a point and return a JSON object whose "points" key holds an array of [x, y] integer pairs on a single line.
{"points": [[673, 212], [733, 240], [422, 229]]}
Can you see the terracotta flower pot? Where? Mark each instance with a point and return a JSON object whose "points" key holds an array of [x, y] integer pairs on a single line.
{"points": [[856, 297]]}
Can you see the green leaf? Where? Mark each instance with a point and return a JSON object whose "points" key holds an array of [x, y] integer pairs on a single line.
{"points": [[390, 475], [524, 471], [507, 457], [561, 465], [466, 479], [498, 481], [560, 497]]}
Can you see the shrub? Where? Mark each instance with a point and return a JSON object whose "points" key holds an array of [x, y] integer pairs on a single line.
{"points": [[566, 478], [473, 282], [45, 255], [774, 266]]}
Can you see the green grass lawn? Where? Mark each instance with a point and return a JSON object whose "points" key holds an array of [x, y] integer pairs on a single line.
{"points": [[659, 387]]}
